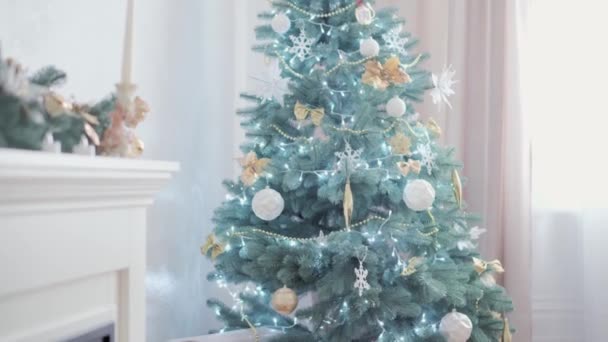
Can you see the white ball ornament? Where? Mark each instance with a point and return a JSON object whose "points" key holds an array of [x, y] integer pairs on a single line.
{"points": [[419, 195], [267, 204], [365, 14], [396, 107], [280, 23], [369, 47], [456, 327]]}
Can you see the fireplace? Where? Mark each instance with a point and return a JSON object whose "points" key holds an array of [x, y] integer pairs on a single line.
{"points": [[73, 256], [103, 334]]}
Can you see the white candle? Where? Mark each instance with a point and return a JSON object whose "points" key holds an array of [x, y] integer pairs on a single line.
{"points": [[127, 53]]}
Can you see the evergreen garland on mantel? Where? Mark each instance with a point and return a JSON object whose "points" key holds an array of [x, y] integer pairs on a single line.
{"points": [[29, 110]]}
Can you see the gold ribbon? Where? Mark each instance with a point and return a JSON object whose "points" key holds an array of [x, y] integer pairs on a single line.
{"points": [[252, 168], [406, 167], [212, 245], [482, 266], [56, 106], [382, 76], [412, 264], [302, 112]]}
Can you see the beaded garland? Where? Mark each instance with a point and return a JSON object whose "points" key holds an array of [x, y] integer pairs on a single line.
{"points": [[333, 13]]}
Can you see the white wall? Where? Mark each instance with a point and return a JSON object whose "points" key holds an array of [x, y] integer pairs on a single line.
{"points": [[185, 66]]}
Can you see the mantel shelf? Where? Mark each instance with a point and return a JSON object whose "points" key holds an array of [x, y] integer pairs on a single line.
{"points": [[38, 180]]}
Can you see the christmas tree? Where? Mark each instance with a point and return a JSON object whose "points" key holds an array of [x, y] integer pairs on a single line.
{"points": [[345, 195]]}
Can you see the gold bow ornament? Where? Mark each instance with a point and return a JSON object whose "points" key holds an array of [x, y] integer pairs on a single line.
{"points": [[481, 266], [212, 245], [382, 76], [302, 112], [412, 266], [252, 168], [56, 106], [400, 144], [409, 166]]}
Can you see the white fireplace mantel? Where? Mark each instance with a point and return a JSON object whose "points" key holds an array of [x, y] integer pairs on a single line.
{"points": [[73, 242]]}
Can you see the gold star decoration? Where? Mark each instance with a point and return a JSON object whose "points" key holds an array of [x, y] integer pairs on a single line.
{"points": [[252, 168], [382, 76], [482, 266], [409, 166], [212, 245], [400, 144], [316, 114]]}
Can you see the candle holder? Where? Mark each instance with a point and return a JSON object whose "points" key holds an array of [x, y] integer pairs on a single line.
{"points": [[119, 139]]}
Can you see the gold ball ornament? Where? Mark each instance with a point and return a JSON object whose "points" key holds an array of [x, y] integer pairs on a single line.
{"points": [[136, 149], [284, 300]]}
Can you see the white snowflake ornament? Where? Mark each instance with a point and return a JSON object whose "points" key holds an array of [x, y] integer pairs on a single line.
{"points": [[301, 45], [427, 157], [274, 86], [395, 42], [361, 282], [474, 235], [442, 87], [349, 159]]}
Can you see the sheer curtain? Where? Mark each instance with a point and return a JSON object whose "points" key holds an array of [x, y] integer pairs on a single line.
{"points": [[569, 174], [481, 39]]}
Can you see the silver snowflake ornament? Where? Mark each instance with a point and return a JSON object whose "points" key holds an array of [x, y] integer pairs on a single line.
{"points": [[442, 87], [395, 42], [274, 86], [349, 159], [427, 157], [301, 45], [361, 282]]}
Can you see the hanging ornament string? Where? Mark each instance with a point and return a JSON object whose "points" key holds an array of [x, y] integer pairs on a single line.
{"points": [[333, 13]]}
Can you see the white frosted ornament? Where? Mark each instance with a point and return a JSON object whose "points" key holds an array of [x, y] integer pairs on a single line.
{"points": [[456, 327], [396, 107], [369, 47], [419, 195], [365, 14], [267, 204], [280, 23]]}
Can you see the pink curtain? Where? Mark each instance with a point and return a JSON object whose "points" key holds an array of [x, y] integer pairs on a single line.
{"points": [[481, 40]]}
